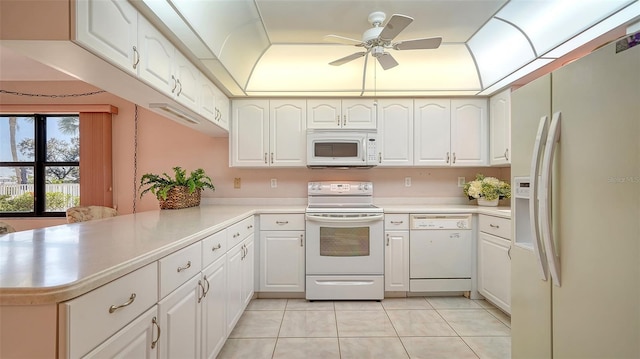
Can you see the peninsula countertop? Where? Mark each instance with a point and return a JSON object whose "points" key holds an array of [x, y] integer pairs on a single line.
{"points": [[55, 264]]}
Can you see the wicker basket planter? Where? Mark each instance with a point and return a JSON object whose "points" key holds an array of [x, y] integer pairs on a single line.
{"points": [[179, 197]]}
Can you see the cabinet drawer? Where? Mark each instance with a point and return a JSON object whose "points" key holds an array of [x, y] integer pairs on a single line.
{"points": [[178, 267], [497, 226], [282, 222], [213, 247], [396, 221], [239, 231], [95, 316]]}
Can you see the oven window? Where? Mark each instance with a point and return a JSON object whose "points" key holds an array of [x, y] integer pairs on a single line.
{"points": [[344, 242], [335, 149]]}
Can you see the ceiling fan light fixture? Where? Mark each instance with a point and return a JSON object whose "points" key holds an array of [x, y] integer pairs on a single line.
{"points": [[377, 51]]}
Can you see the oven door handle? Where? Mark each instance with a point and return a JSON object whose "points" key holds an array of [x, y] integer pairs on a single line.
{"points": [[325, 219]]}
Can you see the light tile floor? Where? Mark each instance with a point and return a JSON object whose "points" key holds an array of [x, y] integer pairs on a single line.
{"points": [[417, 327]]}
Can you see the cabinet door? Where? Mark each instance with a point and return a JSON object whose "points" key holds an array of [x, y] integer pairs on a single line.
{"points": [[282, 261], [395, 132], [180, 318], [494, 270], [324, 114], [137, 340], [188, 78], [208, 100], [360, 114], [288, 137], [396, 261], [469, 132], [108, 28], [250, 133], [234, 285], [155, 57], [214, 321], [248, 271], [432, 132], [222, 105], [500, 128]]}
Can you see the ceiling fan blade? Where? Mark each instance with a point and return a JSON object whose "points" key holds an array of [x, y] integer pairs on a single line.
{"points": [[342, 40], [387, 61], [346, 59], [396, 24], [432, 43]]}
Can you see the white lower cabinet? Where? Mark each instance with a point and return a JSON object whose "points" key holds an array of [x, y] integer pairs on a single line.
{"points": [[179, 319], [494, 261], [139, 339], [239, 280], [396, 255], [214, 308], [282, 253]]}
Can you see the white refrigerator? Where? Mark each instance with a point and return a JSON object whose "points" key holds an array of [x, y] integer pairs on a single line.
{"points": [[576, 282]]}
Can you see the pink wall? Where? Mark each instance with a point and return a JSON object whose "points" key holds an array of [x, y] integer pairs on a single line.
{"points": [[163, 144]]}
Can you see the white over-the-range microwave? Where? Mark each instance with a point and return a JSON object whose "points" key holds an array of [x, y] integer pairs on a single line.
{"points": [[341, 148]]}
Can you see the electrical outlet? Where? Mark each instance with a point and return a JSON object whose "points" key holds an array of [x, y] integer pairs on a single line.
{"points": [[274, 183], [407, 181], [461, 181], [236, 182]]}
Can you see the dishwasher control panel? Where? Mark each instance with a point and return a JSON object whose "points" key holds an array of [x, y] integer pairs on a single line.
{"points": [[437, 221]]}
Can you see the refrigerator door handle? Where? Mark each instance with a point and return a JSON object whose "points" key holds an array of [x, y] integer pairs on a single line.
{"points": [[538, 146], [545, 210]]}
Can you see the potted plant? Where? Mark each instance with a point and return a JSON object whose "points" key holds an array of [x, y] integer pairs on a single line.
{"points": [[487, 190], [181, 191]]}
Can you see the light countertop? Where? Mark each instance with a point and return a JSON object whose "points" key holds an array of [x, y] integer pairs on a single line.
{"points": [[54, 264]]}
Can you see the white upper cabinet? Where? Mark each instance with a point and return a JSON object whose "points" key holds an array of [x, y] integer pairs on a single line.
{"points": [[395, 132], [432, 132], [500, 128], [335, 113], [155, 57], [214, 104], [187, 77], [269, 133], [109, 28], [450, 132], [469, 132]]}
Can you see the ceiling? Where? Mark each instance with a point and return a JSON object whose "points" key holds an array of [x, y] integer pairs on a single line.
{"points": [[276, 47]]}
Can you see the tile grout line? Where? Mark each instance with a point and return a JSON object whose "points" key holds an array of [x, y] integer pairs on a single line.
{"points": [[396, 330], [284, 312]]}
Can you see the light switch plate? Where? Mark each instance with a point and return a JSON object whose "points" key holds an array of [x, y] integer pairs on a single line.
{"points": [[461, 181], [274, 183]]}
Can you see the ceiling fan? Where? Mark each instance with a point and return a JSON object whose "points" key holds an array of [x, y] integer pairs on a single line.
{"points": [[376, 39]]}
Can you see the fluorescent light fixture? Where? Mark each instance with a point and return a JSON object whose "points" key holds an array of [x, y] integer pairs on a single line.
{"points": [[174, 112], [523, 71], [623, 16]]}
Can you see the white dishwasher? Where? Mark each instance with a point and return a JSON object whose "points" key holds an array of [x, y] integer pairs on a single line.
{"points": [[440, 248]]}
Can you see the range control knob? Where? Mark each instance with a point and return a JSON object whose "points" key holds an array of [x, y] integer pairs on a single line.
{"points": [[365, 187]]}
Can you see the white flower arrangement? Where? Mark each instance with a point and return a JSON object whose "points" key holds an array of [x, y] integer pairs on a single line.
{"points": [[489, 188]]}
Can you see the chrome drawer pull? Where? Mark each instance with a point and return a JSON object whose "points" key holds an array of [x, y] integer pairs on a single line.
{"points": [[180, 269], [282, 222], [216, 247], [302, 240], [397, 222], [387, 239], [154, 321], [250, 226], [113, 308], [494, 225]]}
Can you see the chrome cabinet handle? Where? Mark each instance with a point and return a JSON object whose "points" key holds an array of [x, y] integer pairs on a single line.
{"points": [[397, 222], [175, 84], [203, 291], [154, 321], [506, 154], [494, 225], [216, 247], [206, 281], [379, 157], [509, 252], [236, 235], [250, 226], [180, 269], [136, 56], [302, 240], [271, 157], [132, 298], [387, 239], [454, 157], [282, 222], [338, 118], [179, 90], [447, 157], [265, 158]]}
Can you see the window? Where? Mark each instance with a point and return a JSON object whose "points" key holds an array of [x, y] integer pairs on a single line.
{"points": [[39, 164]]}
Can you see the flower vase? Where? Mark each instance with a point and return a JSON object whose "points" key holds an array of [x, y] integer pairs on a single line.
{"points": [[487, 203]]}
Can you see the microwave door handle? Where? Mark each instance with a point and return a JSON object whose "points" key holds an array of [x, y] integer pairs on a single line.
{"points": [[545, 209], [324, 219], [538, 246]]}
